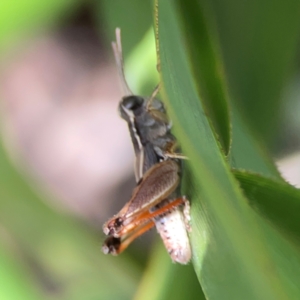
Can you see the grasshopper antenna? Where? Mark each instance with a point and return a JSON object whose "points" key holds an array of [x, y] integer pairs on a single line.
{"points": [[117, 48], [153, 95]]}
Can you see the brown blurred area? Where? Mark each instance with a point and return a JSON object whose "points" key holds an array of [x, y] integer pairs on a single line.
{"points": [[60, 96]]}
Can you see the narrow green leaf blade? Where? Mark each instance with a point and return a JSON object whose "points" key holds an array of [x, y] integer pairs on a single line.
{"points": [[277, 205], [230, 255], [165, 280], [276, 201], [202, 50], [247, 152], [259, 42]]}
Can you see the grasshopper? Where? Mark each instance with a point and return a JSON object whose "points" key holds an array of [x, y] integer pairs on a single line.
{"points": [[155, 200]]}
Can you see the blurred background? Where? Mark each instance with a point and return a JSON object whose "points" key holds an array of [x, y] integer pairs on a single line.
{"points": [[66, 160], [60, 91]]}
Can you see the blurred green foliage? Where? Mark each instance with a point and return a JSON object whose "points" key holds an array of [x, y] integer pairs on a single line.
{"points": [[259, 42], [223, 66], [20, 19]]}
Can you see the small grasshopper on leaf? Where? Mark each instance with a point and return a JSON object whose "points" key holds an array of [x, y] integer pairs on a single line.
{"points": [[156, 199]]}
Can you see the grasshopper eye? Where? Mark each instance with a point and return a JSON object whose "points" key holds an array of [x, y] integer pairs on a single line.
{"points": [[132, 102], [118, 222]]}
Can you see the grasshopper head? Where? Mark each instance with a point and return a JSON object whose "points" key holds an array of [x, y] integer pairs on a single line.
{"points": [[129, 105]]}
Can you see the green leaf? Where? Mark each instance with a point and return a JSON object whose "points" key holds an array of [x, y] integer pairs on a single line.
{"points": [[207, 67], [246, 152], [164, 280], [231, 254], [259, 42], [276, 201], [277, 205]]}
